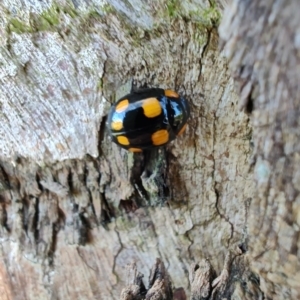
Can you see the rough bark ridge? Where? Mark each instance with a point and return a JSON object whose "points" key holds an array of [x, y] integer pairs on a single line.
{"points": [[236, 281], [82, 219], [262, 40]]}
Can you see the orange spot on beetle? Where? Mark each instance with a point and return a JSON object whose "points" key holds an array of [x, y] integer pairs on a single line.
{"points": [[117, 125], [122, 106], [135, 149], [123, 140], [172, 94], [181, 131], [160, 137], [151, 107]]}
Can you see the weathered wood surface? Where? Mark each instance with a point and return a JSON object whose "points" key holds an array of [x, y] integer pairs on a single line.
{"points": [[262, 39], [75, 210]]}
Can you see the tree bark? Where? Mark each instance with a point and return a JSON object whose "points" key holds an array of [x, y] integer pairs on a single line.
{"points": [[266, 67], [76, 209]]}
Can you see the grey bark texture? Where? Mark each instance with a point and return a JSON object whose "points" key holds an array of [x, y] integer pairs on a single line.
{"points": [[76, 209], [267, 71]]}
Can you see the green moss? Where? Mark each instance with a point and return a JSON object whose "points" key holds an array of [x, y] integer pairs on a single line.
{"points": [[100, 84], [71, 11], [17, 26], [93, 14], [207, 18], [107, 8], [46, 21], [40, 24], [173, 8], [201, 35], [212, 15], [49, 20], [51, 15]]}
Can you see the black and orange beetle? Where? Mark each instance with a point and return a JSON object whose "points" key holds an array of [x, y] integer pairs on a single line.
{"points": [[147, 118]]}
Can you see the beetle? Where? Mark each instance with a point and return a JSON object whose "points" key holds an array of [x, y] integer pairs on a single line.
{"points": [[147, 118]]}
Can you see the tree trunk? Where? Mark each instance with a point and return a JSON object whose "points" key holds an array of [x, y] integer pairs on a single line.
{"points": [[266, 66], [76, 209]]}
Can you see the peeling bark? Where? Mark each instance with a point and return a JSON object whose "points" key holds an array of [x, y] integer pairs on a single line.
{"points": [[160, 287]]}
